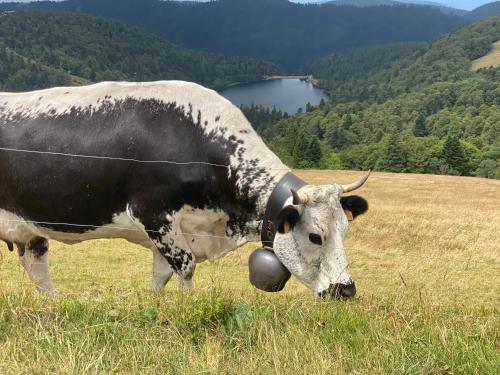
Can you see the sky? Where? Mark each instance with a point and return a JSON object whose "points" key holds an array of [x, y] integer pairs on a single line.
{"points": [[461, 4]]}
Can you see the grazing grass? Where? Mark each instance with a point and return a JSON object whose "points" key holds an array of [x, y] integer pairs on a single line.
{"points": [[492, 59], [426, 261]]}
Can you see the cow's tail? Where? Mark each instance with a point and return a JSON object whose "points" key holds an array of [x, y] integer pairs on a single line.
{"points": [[10, 245]]}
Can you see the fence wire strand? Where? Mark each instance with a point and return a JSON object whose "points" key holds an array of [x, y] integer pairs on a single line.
{"points": [[132, 160], [107, 227]]}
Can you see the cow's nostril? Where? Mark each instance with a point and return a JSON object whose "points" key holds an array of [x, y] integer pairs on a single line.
{"points": [[348, 290], [339, 291]]}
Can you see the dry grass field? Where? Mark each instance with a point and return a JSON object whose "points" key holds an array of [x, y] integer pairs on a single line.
{"points": [[425, 258], [492, 59]]}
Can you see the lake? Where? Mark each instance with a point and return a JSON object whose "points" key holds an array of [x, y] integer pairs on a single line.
{"points": [[287, 94]]}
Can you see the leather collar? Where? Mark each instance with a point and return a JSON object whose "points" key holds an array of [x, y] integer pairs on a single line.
{"points": [[274, 205]]}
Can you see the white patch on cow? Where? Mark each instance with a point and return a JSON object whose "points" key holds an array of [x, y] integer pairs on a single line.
{"points": [[204, 232], [16, 229], [123, 226], [215, 110]]}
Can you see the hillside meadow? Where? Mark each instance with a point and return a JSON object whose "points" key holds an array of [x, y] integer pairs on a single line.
{"points": [[426, 263], [492, 59]]}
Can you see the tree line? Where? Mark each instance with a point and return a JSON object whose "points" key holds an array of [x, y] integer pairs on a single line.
{"points": [[39, 50]]}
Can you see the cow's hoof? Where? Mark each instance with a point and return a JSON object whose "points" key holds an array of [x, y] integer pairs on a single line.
{"points": [[185, 285], [49, 292], [157, 287]]}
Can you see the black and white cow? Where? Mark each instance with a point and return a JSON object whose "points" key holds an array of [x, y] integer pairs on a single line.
{"points": [[171, 166]]}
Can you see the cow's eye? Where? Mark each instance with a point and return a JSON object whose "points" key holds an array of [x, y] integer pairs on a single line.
{"points": [[315, 239]]}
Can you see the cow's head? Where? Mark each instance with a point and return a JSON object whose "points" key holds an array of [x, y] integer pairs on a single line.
{"points": [[310, 236]]}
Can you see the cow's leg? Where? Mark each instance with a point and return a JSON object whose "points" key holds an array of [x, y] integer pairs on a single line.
{"points": [[173, 248], [162, 272], [164, 232], [34, 258]]}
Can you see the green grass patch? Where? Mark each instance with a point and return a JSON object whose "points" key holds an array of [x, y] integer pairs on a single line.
{"points": [[221, 333]]}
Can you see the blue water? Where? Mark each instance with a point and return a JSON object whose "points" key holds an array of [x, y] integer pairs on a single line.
{"points": [[287, 94]]}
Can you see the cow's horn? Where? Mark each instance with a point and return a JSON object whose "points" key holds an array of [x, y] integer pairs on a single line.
{"points": [[299, 197], [355, 185]]}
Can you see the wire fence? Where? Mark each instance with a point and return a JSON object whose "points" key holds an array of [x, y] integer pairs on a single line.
{"points": [[175, 233]]}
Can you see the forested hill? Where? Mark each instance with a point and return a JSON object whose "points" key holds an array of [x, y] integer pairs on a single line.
{"points": [[384, 72], [365, 74], [484, 11], [425, 112], [39, 50], [286, 33]]}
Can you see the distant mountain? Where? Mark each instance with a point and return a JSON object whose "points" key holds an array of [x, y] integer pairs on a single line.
{"points": [[443, 8], [428, 3], [285, 33], [462, 5], [39, 50], [371, 3], [488, 10], [363, 3]]}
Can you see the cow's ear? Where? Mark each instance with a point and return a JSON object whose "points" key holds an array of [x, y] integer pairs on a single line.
{"points": [[353, 206], [287, 219]]}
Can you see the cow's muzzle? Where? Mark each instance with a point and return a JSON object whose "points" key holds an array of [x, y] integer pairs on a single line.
{"points": [[339, 291]]}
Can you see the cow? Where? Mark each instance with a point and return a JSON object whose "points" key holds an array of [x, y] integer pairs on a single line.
{"points": [[168, 165]]}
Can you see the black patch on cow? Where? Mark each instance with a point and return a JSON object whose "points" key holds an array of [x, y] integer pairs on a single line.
{"points": [[21, 249], [179, 259], [356, 204], [288, 214], [61, 189], [38, 246]]}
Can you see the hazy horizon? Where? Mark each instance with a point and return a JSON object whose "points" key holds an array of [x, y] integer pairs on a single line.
{"points": [[460, 4]]}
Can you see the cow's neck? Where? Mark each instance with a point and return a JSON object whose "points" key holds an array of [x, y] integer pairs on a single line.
{"points": [[260, 190], [255, 169], [267, 188]]}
